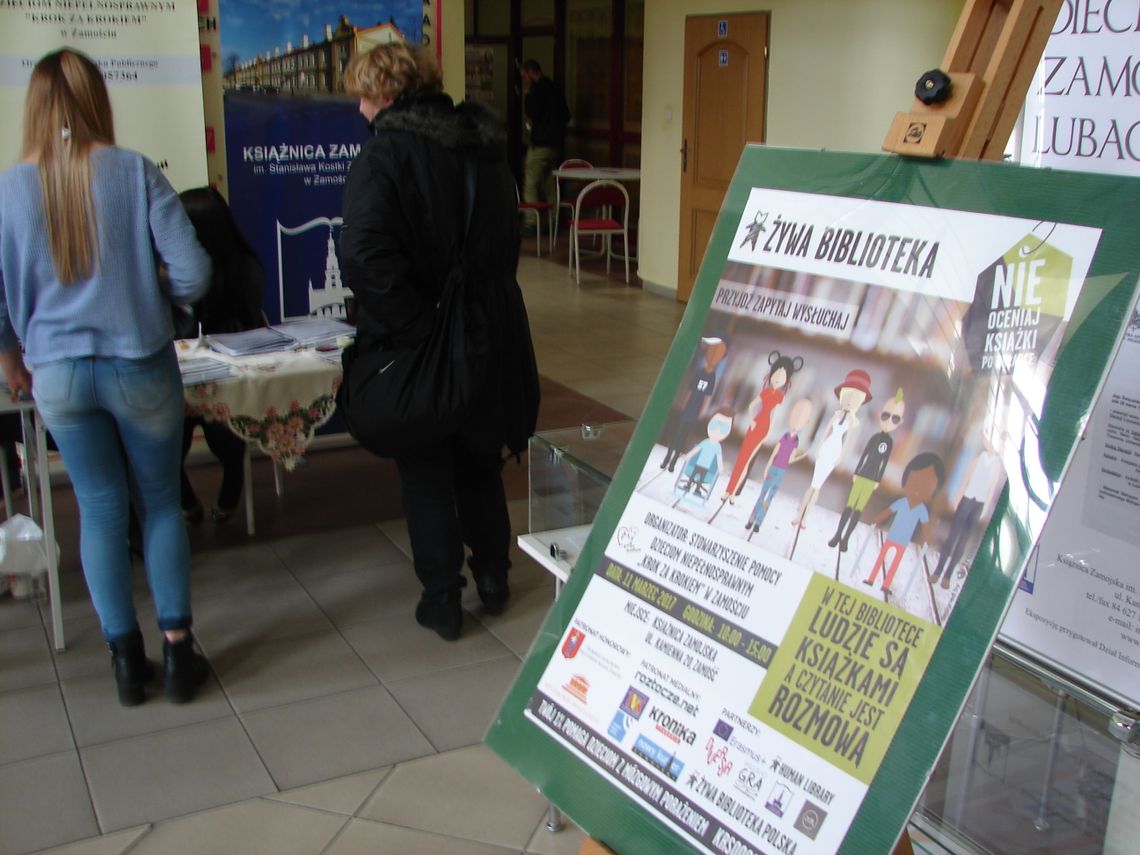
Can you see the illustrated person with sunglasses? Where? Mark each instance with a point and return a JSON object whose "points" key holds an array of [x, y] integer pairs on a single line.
{"points": [[869, 470]]}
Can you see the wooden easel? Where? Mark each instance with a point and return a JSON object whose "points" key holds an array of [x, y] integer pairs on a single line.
{"points": [[990, 63], [993, 55]]}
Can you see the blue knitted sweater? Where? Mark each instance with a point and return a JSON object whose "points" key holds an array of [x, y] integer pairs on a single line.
{"points": [[123, 310]]}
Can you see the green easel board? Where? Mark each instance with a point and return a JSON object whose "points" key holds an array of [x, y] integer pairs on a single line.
{"points": [[810, 543]]}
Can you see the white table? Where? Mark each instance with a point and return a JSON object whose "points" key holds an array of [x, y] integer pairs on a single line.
{"points": [[275, 401], [627, 174], [594, 173]]}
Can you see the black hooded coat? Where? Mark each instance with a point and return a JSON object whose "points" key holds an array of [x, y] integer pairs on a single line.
{"points": [[404, 219]]}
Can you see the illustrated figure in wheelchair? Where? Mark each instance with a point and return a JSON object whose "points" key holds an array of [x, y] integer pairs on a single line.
{"points": [[701, 466]]}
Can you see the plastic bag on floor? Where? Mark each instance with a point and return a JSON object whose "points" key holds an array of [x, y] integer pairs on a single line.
{"points": [[23, 556]]}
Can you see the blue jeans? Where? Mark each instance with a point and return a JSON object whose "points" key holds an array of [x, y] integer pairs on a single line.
{"points": [[118, 425], [768, 491]]}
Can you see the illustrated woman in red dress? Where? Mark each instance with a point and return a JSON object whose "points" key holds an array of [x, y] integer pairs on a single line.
{"points": [[776, 384]]}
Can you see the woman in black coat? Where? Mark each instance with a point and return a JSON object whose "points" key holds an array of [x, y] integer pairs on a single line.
{"points": [[405, 229]]}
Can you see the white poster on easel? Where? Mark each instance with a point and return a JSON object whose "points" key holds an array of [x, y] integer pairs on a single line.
{"points": [[1078, 607], [149, 54]]}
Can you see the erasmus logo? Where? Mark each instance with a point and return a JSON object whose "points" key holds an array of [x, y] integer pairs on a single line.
{"points": [[1019, 304]]}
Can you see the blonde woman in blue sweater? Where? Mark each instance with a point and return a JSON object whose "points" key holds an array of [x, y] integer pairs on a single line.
{"points": [[84, 227]]}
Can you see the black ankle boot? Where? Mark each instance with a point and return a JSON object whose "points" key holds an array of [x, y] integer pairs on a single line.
{"points": [[492, 586], [494, 592], [442, 613], [132, 669], [184, 669]]}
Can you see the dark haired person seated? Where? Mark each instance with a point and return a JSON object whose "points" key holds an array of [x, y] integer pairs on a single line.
{"points": [[232, 304]]}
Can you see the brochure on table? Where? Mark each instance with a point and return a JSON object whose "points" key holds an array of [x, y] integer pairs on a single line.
{"points": [[822, 516]]}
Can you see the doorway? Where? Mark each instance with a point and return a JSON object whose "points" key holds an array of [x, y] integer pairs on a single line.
{"points": [[725, 102]]}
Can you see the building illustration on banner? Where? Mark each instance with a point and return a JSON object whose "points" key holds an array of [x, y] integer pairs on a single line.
{"points": [[325, 300], [308, 67]]}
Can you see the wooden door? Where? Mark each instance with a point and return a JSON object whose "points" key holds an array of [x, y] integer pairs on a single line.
{"points": [[726, 73]]}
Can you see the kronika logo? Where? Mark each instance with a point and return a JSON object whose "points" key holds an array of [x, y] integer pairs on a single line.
{"points": [[573, 643], [671, 728]]}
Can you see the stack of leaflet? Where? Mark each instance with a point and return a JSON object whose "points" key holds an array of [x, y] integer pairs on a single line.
{"points": [[314, 332], [260, 340], [202, 369]]}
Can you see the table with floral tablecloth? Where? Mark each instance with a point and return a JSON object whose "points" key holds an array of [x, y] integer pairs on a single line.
{"points": [[276, 400]]}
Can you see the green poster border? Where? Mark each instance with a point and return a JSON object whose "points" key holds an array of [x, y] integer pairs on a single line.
{"points": [[1111, 203]]}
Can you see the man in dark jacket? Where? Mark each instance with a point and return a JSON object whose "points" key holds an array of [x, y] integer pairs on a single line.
{"points": [[546, 116], [405, 221]]}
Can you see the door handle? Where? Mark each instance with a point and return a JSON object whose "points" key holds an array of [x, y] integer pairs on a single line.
{"points": [[685, 156]]}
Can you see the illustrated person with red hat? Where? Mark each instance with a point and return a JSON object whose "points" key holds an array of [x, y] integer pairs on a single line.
{"points": [[853, 392], [869, 470]]}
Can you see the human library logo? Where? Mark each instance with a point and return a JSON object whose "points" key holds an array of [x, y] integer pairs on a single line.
{"points": [[810, 819], [573, 643]]}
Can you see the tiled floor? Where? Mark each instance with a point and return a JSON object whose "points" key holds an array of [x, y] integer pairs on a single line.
{"points": [[334, 724]]}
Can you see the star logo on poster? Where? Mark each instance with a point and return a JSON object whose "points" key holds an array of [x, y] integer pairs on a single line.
{"points": [[573, 643], [754, 229]]}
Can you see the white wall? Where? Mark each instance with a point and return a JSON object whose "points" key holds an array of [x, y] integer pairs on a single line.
{"points": [[838, 72]]}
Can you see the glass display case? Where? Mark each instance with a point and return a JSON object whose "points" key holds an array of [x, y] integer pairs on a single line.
{"points": [[570, 471]]}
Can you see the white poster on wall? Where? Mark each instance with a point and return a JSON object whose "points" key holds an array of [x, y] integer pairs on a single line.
{"points": [[150, 57], [1078, 608], [1083, 108]]}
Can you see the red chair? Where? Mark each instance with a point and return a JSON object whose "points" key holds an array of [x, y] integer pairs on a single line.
{"points": [[567, 203], [539, 208], [604, 202]]}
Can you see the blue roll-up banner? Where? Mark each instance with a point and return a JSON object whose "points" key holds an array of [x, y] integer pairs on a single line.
{"points": [[291, 134]]}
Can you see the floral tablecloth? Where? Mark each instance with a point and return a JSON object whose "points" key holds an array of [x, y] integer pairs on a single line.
{"points": [[275, 400]]}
